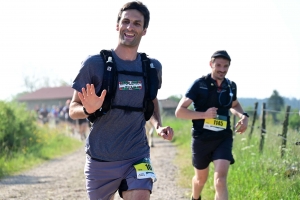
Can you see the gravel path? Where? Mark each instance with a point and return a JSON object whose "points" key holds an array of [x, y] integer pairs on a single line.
{"points": [[63, 178]]}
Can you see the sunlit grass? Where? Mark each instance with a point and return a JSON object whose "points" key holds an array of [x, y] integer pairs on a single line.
{"points": [[255, 174], [50, 143]]}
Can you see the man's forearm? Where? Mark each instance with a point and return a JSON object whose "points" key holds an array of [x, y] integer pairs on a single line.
{"points": [[155, 118], [76, 111], [237, 110]]}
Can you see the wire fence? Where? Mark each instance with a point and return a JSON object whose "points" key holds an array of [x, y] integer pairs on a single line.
{"points": [[263, 130], [276, 111]]}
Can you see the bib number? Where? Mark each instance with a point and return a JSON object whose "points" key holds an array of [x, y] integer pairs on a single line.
{"points": [[144, 169], [217, 124]]}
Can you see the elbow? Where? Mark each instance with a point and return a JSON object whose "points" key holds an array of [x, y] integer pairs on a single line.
{"points": [[177, 113], [72, 114]]}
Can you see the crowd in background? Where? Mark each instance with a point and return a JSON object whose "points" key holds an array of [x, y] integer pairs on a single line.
{"points": [[58, 114]]}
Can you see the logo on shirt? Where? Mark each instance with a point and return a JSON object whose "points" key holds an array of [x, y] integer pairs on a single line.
{"points": [[130, 85]]}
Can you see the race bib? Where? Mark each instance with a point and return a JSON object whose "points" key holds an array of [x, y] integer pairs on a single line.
{"points": [[216, 124], [144, 169]]}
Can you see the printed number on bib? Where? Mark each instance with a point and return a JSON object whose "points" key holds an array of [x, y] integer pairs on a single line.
{"points": [[144, 169], [217, 124]]}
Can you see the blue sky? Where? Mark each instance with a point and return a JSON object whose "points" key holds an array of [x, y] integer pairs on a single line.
{"points": [[47, 40]]}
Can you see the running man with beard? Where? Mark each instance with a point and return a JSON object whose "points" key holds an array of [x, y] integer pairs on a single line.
{"points": [[213, 96]]}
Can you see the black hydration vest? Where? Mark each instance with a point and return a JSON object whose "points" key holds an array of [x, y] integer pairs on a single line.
{"points": [[110, 81], [207, 90], [208, 97]]}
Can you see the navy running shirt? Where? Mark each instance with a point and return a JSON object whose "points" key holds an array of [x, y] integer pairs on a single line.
{"points": [[206, 95]]}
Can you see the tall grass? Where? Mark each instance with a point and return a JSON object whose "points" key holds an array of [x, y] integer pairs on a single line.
{"points": [[255, 174], [50, 144], [24, 143]]}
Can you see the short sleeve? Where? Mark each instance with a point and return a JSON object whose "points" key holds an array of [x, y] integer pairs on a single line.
{"points": [[91, 72], [234, 91], [158, 68], [193, 91]]}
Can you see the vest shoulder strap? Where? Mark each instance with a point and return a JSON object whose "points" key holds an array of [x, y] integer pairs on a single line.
{"points": [[109, 84], [109, 77], [151, 81]]}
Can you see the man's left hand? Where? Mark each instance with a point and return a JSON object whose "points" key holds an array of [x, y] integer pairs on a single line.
{"points": [[165, 132], [242, 125]]}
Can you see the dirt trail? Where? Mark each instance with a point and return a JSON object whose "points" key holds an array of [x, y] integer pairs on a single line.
{"points": [[63, 178]]}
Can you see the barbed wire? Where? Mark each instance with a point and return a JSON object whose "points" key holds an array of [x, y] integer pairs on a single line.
{"points": [[265, 132], [294, 143], [276, 111]]}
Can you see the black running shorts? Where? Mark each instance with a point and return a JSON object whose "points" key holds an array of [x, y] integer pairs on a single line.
{"points": [[204, 152]]}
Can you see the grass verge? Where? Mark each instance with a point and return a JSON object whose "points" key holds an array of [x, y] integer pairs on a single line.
{"points": [[50, 143], [255, 175]]}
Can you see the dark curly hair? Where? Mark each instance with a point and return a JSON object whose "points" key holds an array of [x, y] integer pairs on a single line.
{"points": [[139, 6]]}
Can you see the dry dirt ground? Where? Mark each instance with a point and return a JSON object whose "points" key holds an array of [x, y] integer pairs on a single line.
{"points": [[63, 178]]}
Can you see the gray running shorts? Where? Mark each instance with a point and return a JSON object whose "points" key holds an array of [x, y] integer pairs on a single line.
{"points": [[103, 179]]}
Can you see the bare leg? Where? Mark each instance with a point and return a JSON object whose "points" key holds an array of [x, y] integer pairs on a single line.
{"points": [[149, 133], [112, 197], [136, 195], [82, 130], [220, 179], [199, 181]]}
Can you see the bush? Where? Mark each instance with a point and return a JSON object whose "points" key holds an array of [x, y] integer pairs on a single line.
{"points": [[17, 127], [294, 121]]}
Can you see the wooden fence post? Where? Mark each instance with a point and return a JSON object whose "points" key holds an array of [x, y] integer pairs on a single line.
{"points": [[263, 128], [253, 119], [284, 130]]}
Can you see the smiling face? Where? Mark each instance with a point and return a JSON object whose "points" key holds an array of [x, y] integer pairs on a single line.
{"points": [[130, 28], [219, 68]]}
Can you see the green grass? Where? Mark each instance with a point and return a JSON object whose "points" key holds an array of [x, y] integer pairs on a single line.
{"points": [[50, 144], [255, 175]]}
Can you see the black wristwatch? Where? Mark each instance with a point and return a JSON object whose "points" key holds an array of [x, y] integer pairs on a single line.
{"points": [[246, 114], [85, 112]]}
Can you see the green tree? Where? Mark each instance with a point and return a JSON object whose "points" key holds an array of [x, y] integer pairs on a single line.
{"points": [[33, 83], [294, 120], [275, 103], [175, 98]]}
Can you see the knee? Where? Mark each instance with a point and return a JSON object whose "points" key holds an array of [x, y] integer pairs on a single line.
{"points": [[199, 181], [220, 182]]}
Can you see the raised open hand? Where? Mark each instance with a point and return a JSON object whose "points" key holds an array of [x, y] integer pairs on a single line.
{"points": [[89, 98]]}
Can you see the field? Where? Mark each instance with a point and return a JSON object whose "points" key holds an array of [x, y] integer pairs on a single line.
{"points": [[256, 174]]}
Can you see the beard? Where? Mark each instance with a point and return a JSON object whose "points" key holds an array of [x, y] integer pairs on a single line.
{"points": [[219, 75]]}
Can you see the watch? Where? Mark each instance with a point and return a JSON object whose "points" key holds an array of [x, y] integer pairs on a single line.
{"points": [[85, 112], [246, 114]]}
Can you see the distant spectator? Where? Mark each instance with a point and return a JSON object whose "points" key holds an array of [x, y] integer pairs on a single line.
{"points": [[55, 113], [83, 125], [67, 118], [44, 114]]}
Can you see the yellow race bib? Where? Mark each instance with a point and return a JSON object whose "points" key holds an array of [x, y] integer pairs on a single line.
{"points": [[216, 124], [144, 169]]}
